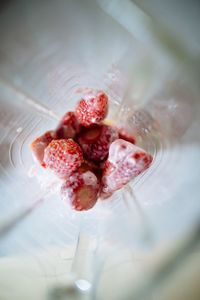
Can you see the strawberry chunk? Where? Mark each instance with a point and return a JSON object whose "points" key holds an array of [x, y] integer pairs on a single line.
{"points": [[39, 144], [95, 141], [68, 126], [92, 108], [124, 135], [81, 190], [63, 157], [91, 166], [125, 162]]}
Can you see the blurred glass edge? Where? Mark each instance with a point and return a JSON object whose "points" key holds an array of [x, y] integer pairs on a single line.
{"points": [[160, 29]]}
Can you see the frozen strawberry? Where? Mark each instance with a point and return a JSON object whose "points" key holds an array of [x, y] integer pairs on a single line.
{"points": [[124, 135], [39, 144], [95, 141], [63, 157], [81, 190], [92, 108], [68, 126], [91, 166], [125, 162]]}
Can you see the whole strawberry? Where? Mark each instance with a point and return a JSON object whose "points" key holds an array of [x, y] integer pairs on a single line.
{"points": [[63, 157], [92, 108], [125, 162], [81, 190], [68, 126], [39, 144], [95, 141]]}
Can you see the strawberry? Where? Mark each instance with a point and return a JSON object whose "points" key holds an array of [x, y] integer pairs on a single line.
{"points": [[91, 166], [63, 157], [125, 162], [39, 144], [95, 141], [68, 126], [124, 135], [81, 190], [92, 108]]}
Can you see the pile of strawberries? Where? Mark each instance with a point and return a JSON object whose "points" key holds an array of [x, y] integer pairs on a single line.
{"points": [[92, 159]]}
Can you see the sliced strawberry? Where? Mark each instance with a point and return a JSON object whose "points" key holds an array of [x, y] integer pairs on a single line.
{"points": [[39, 144], [91, 134], [95, 141], [63, 157], [92, 108], [68, 126], [91, 166], [81, 190], [124, 135], [125, 162]]}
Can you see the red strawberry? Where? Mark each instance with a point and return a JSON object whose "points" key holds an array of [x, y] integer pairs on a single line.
{"points": [[125, 162], [81, 190], [63, 157], [91, 166], [124, 135], [68, 126], [95, 141], [39, 144], [92, 108]]}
